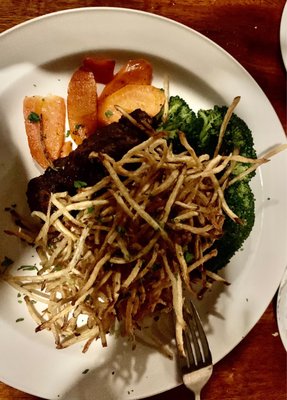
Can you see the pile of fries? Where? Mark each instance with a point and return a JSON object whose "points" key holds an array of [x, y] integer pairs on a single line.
{"points": [[130, 245]]}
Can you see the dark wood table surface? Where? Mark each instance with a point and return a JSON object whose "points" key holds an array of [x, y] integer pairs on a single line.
{"points": [[249, 31]]}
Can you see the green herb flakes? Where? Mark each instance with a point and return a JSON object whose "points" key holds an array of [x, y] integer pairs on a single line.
{"points": [[78, 126], [188, 257], [109, 113], [19, 319], [80, 184], [34, 117], [19, 295]]}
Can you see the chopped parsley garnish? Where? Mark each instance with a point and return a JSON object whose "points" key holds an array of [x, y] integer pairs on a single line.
{"points": [[34, 117], [19, 319], [109, 113], [78, 126], [80, 184], [68, 133], [188, 257], [90, 209]]}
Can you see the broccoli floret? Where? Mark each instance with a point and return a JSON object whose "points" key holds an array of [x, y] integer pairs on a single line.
{"points": [[239, 196], [237, 136], [208, 136], [240, 199], [202, 132], [180, 117]]}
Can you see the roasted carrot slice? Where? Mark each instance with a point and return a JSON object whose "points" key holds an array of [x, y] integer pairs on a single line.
{"points": [[82, 105], [133, 72], [102, 68], [45, 127], [130, 97], [32, 109], [53, 120]]}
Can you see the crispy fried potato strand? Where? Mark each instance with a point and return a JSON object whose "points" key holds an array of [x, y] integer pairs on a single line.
{"points": [[128, 246]]}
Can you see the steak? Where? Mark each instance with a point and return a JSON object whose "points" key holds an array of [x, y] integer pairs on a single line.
{"points": [[114, 139]]}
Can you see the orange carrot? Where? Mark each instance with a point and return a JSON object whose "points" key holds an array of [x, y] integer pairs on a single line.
{"points": [[133, 72], [82, 105], [102, 68], [53, 119], [130, 97], [45, 127]]}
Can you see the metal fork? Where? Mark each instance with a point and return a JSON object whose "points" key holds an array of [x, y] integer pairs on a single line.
{"points": [[196, 365]]}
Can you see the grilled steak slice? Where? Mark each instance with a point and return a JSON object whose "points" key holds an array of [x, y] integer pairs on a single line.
{"points": [[115, 139]]}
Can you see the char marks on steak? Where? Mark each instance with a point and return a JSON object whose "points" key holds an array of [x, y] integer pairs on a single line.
{"points": [[114, 139]]}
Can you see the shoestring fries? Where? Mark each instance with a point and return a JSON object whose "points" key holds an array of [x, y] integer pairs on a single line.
{"points": [[125, 248]]}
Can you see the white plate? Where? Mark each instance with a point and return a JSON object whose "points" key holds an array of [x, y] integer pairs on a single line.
{"points": [[37, 58], [283, 35], [282, 310]]}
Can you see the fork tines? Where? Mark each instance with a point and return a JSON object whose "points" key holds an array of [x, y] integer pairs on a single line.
{"points": [[196, 346]]}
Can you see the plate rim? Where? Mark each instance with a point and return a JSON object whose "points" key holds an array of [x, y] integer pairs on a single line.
{"points": [[280, 309], [283, 35], [128, 10]]}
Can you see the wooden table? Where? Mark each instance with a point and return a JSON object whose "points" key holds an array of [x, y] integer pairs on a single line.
{"points": [[249, 30]]}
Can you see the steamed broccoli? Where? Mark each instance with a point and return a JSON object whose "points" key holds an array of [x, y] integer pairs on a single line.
{"points": [[202, 131], [180, 118], [237, 136], [240, 199]]}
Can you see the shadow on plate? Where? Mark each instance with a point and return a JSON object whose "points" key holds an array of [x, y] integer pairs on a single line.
{"points": [[118, 375], [13, 183], [122, 367]]}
